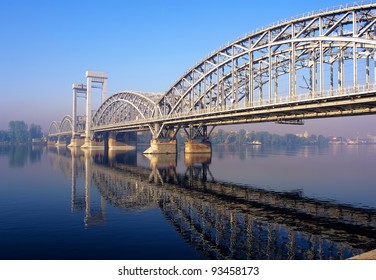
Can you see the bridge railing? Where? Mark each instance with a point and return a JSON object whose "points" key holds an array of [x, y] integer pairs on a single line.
{"points": [[282, 100]]}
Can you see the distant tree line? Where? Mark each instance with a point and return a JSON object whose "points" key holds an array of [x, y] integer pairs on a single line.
{"points": [[242, 137], [20, 133]]}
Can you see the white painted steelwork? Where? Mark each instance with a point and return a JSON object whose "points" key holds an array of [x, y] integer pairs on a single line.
{"points": [[315, 66]]}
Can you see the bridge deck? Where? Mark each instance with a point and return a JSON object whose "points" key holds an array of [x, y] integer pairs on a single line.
{"points": [[300, 107]]}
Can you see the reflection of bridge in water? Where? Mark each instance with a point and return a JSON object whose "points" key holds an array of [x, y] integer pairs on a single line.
{"points": [[223, 220]]}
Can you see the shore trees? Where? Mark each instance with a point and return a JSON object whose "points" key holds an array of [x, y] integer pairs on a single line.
{"points": [[19, 133], [243, 137]]}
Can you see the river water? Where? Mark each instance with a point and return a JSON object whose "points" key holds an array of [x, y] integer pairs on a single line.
{"points": [[250, 202]]}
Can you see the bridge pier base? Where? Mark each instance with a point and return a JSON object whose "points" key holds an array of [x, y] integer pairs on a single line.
{"points": [[192, 147], [51, 142], [129, 141], [158, 147], [77, 142], [93, 145], [61, 142]]}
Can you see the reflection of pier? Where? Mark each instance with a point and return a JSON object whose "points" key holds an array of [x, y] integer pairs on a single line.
{"points": [[230, 221], [76, 164]]}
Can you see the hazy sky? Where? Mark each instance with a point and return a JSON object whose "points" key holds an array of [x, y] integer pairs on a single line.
{"points": [[143, 45]]}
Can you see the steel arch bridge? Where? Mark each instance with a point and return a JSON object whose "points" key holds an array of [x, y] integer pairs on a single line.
{"points": [[249, 71], [127, 106], [62, 128], [314, 66]]}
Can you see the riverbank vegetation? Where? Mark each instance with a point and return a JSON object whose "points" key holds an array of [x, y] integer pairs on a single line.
{"points": [[243, 137], [20, 133]]}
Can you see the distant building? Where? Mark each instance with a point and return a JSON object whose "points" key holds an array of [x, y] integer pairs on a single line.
{"points": [[302, 135], [337, 140], [371, 138]]}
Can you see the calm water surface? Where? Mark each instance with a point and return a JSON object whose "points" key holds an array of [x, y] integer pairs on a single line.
{"points": [[239, 203]]}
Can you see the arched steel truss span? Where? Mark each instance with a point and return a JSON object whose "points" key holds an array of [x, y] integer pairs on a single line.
{"points": [[127, 106], [319, 65], [54, 128], [319, 55], [64, 127]]}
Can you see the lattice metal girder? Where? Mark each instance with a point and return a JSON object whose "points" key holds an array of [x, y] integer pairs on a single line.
{"points": [[66, 125], [323, 107], [127, 106], [243, 80], [328, 43], [350, 27], [54, 128]]}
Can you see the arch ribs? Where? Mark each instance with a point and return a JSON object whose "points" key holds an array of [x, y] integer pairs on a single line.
{"points": [[280, 62], [318, 56], [125, 107], [64, 127]]}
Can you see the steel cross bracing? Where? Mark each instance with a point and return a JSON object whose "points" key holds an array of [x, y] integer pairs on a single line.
{"points": [[318, 65], [282, 72], [250, 72], [127, 106], [64, 127], [54, 129]]}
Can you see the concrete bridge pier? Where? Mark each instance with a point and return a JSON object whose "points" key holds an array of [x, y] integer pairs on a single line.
{"points": [[95, 143], [61, 141], [197, 139], [51, 141], [77, 142], [192, 147], [111, 141], [162, 147], [122, 141], [164, 139], [100, 81]]}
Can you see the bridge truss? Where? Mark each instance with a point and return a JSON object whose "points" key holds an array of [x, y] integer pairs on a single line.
{"points": [[313, 57], [315, 66], [62, 128]]}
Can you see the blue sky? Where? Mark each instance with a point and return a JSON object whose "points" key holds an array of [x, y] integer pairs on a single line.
{"points": [[143, 45]]}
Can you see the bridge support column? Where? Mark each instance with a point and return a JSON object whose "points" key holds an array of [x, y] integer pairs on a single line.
{"points": [[164, 139], [96, 143], [122, 141], [77, 142], [98, 78], [197, 140], [93, 144], [159, 147], [51, 142], [191, 146], [61, 142]]}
